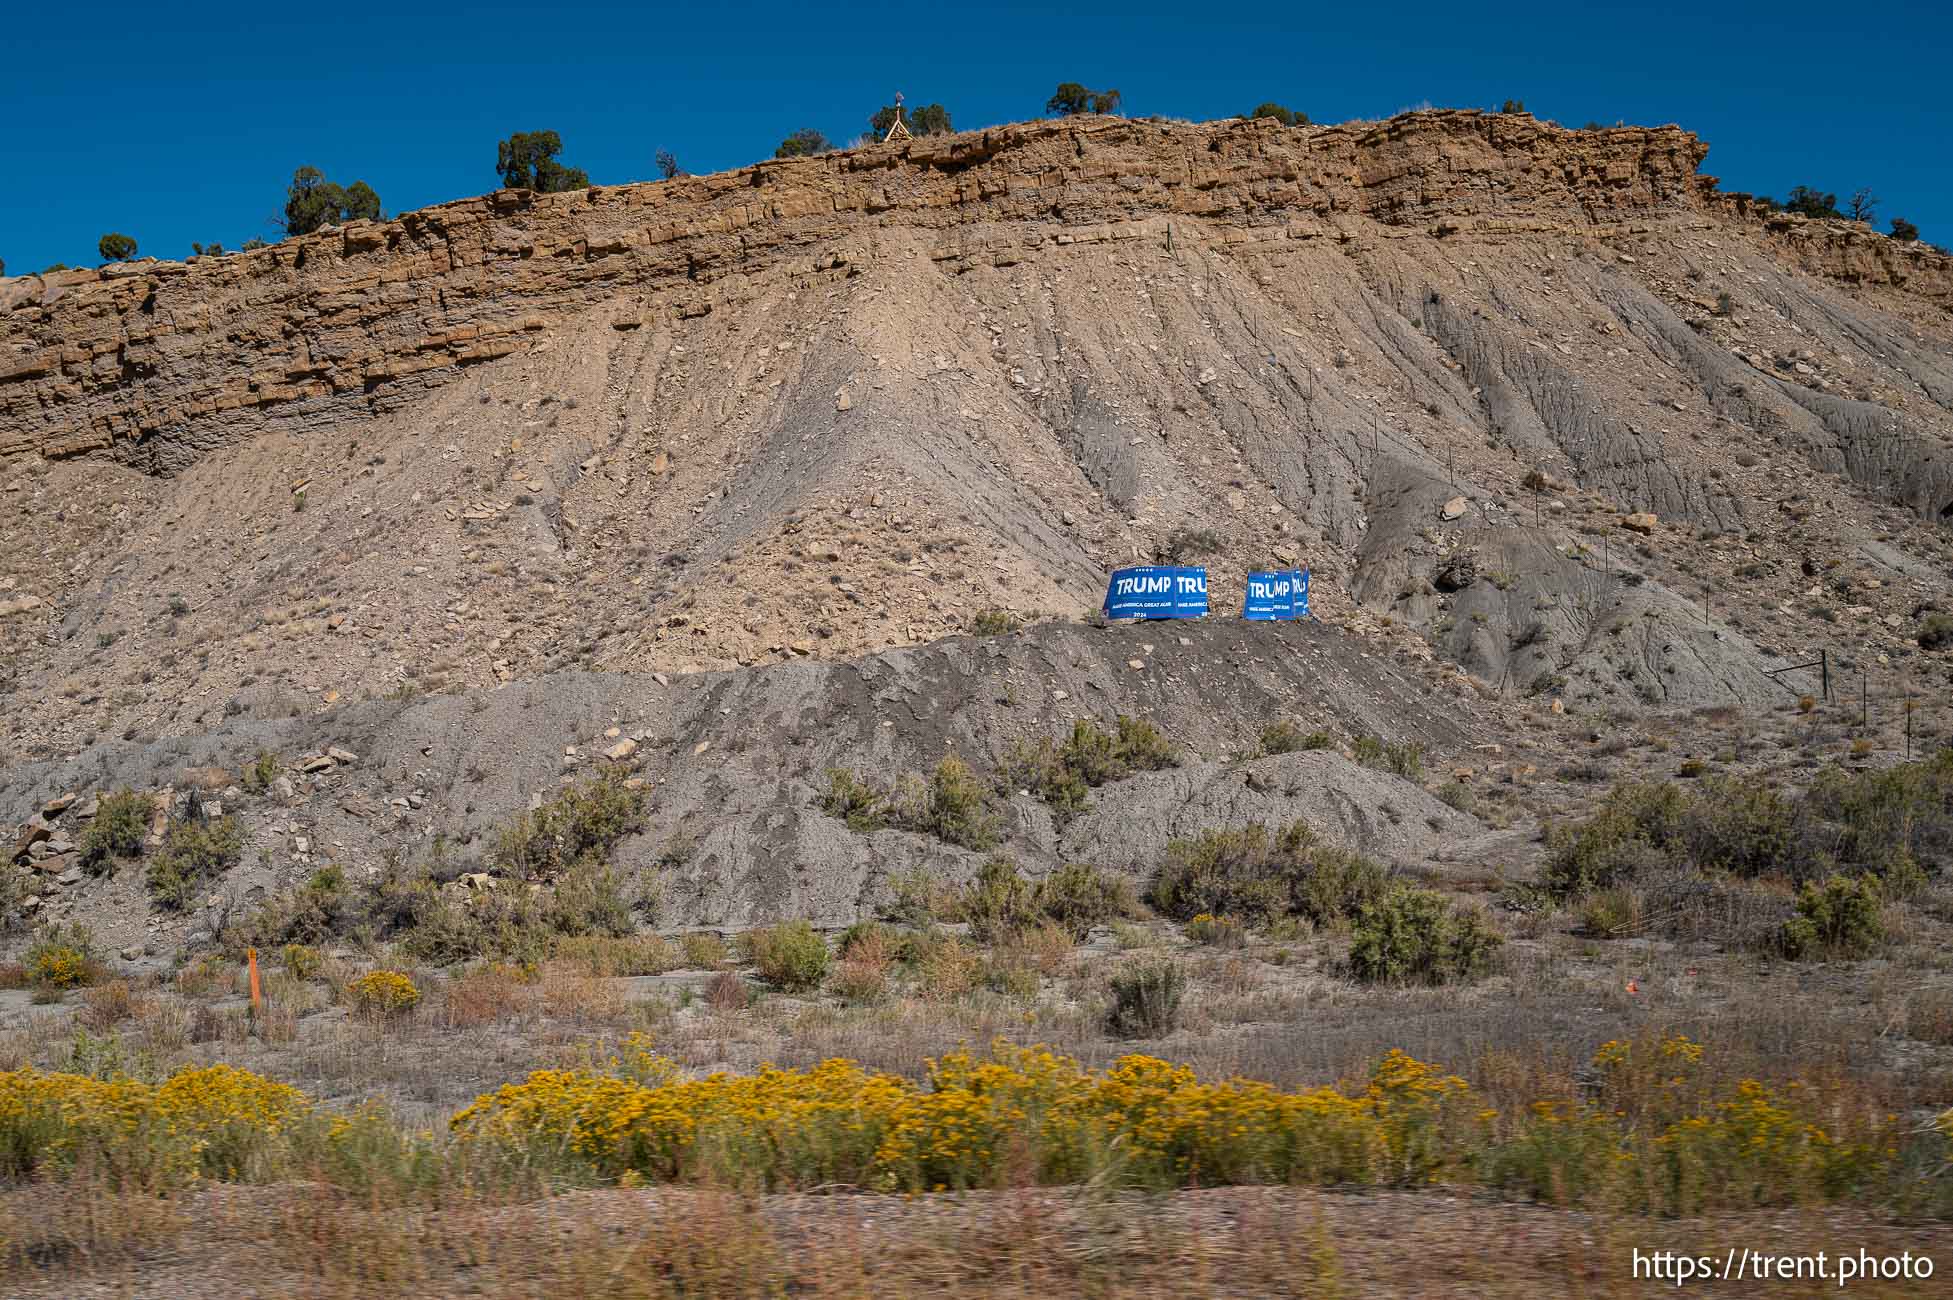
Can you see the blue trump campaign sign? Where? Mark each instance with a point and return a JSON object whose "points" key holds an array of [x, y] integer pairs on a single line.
{"points": [[1157, 591], [1283, 593]]}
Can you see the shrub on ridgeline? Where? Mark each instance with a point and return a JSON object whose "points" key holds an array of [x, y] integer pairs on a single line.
{"points": [[1904, 230], [1071, 99], [803, 143], [527, 161], [923, 119], [1286, 116], [312, 201], [116, 248]]}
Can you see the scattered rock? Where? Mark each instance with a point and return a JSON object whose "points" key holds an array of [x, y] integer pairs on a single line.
{"points": [[1453, 508], [1640, 522]]}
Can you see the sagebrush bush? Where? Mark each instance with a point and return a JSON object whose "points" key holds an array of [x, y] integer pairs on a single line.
{"points": [[117, 830], [853, 800], [1080, 897], [193, 854], [258, 774], [583, 822], [1895, 825], [999, 901], [1838, 918], [953, 805], [993, 622], [789, 956], [1064, 774], [1414, 936], [1403, 757], [1146, 999], [1285, 737], [1256, 876]]}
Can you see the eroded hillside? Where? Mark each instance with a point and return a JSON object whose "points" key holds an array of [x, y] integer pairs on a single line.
{"points": [[1537, 402]]}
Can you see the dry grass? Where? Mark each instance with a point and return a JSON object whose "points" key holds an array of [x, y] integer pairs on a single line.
{"points": [[1029, 1243]]}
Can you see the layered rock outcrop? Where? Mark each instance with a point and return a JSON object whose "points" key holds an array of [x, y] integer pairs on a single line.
{"points": [[154, 362]]}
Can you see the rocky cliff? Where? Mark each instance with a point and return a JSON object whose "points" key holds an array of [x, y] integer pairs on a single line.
{"points": [[154, 362]]}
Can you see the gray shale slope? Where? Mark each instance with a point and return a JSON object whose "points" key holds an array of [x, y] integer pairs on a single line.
{"points": [[736, 763]]}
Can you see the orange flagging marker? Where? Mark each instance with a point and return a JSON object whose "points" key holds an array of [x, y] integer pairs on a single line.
{"points": [[257, 997]]}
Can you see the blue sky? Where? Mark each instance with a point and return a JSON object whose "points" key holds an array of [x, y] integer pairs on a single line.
{"points": [[182, 126]]}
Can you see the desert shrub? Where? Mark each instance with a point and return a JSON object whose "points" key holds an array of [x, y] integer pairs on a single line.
{"points": [[1838, 918], [726, 991], [1339, 884], [869, 939], [1405, 758], [1412, 936], [14, 888], [999, 901], [919, 896], [1740, 826], [1285, 737], [946, 968], [609, 957], [304, 962], [62, 957], [440, 929], [1062, 774], [1079, 896], [309, 913], [703, 950], [1936, 632], [993, 622], [859, 979], [383, 992], [589, 899], [853, 800], [258, 774], [952, 805], [193, 854], [1146, 999], [1895, 824], [121, 821], [1257, 876], [1217, 931], [584, 821], [1459, 797], [789, 956], [1633, 829]]}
